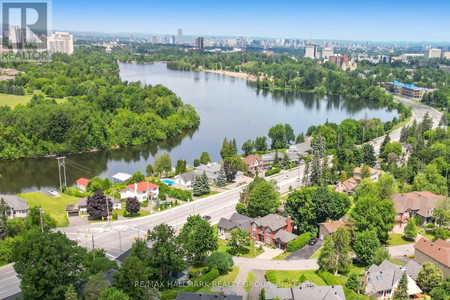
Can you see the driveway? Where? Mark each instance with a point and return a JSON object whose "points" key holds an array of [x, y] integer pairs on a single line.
{"points": [[305, 253], [283, 265]]}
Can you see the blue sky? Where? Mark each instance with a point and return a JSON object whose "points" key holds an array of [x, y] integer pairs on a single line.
{"points": [[376, 20]]}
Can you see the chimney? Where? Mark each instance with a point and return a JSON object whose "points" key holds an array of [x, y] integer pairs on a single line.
{"points": [[289, 224], [135, 187]]}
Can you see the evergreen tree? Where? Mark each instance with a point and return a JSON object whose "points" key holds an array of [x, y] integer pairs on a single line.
{"points": [[444, 119], [327, 258], [411, 230], [305, 179], [234, 148], [387, 140], [205, 184], [401, 293], [71, 293], [197, 189], [368, 155], [341, 240], [300, 138], [316, 169], [319, 146], [222, 178], [353, 282], [205, 158]]}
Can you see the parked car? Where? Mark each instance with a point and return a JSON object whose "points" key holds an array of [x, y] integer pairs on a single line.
{"points": [[312, 241], [287, 176], [207, 218]]}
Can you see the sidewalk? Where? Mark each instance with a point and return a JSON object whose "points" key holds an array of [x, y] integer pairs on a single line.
{"points": [[258, 264]]}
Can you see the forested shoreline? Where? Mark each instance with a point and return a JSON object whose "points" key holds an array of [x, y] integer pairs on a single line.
{"points": [[99, 110]]}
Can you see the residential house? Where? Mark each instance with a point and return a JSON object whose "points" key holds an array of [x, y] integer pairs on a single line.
{"points": [[17, 207], [306, 290], [329, 227], [269, 158], [273, 230], [419, 205], [73, 210], [185, 179], [82, 204], [82, 183], [301, 149], [374, 174], [254, 163], [200, 296], [143, 190], [121, 177], [347, 187], [381, 281], [437, 252], [225, 226], [211, 170]]}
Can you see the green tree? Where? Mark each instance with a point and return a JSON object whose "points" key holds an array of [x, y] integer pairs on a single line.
{"points": [[327, 258], [341, 240], [365, 172], [430, 276], [301, 207], [365, 246], [95, 286], [205, 158], [261, 143], [247, 147], [430, 180], [368, 155], [132, 270], [34, 217], [263, 200], [381, 254], [162, 163], [180, 167], [278, 136], [387, 140], [401, 292], [71, 293], [353, 282], [205, 184], [112, 293], [330, 204], [300, 138], [239, 240], [221, 261], [198, 238], [411, 230], [441, 292], [197, 189], [149, 169], [222, 178], [4, 232], [386, 186], [136, 177], [47, 263], [441, 211], [290, 136], [228, 149], [316, 175]]}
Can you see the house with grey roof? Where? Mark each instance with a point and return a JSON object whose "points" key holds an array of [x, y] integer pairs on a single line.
{"points": [[381, 281], [274, 230], [17, 207], [211, 170], [225, 226], [201, 296], [306, 290], [301, 149], [186, 179]]}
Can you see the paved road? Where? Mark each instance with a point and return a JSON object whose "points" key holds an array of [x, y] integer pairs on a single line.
{"points": [[9, 282], [305, 252]]}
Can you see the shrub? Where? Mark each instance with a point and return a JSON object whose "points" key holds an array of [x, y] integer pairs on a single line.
{"points": [[299, 242], [270, 276], [115, 216], [328, 278], [273, 171], [219, 260], [201, 281], [144, 203], [430, 225]]}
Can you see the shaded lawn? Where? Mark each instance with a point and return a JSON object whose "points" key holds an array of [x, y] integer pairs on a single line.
{"points": [[250, 280], [204, 196], [251, 251], [316, 254], [121, 212], [281, 256], [54, 206], [397, 239], [292, 278], [225, 279]]}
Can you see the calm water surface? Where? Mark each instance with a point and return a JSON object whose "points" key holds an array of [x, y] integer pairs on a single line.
{"points": [[228, 107]]}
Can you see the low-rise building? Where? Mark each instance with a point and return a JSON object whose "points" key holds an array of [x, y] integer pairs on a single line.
{"points": [[186, 179], [437, 252], [381, 281], [211, 170], [225, 226], [254, 163], [272, 230], [329, 227], [82, 183], [306, 290], [374, 174], [419, 205], [407, 90], [347, 186], [17, 207], [301, 149], [143, 190], [121, 177]]}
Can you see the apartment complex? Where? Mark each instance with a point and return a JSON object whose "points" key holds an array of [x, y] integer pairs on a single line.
{"points": [[433, 53], [311, 51], [408, 90], [327, 52], [60, 42]]}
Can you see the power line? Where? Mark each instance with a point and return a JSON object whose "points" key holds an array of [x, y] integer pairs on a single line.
{"points": [[61, 163]]}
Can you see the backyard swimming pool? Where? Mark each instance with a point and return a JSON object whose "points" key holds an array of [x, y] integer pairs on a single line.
{"points": [[168, 182]]}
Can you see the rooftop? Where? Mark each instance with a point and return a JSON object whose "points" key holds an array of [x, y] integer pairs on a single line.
{"points": [[272, 221], [14, 202], [83, 181], [438, 250], [122, 176], [142, 186]]}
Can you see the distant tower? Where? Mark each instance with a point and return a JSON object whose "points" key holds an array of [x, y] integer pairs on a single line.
{"points": [[131, 38], [199, 43], [180, 36]]}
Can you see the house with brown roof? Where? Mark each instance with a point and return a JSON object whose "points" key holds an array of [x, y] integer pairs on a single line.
{"points": [[254, 163], [437, 252], [329, 227], [374, 174], [419, 205], [347, 187], [274, 230]]}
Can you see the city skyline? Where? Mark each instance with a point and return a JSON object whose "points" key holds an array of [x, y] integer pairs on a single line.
{"points": [[411, 21]]}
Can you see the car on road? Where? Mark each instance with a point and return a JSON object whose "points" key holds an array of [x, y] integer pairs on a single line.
{"points": [[287, 176], [298, 179], [207, 218], [312, 241]]}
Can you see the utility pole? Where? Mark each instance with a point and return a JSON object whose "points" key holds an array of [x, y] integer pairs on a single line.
{"points": [[40, 216], [62, 163]]}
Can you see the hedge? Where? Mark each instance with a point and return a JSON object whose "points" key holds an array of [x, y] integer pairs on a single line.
{"points": [[328, 278], [270, 275], [173, 192], [299, 242], [201, 281], [273, 171]]}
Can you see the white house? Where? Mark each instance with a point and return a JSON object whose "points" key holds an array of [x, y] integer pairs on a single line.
{"points": [[121, 177], [142, 191], [82, 183], [17, 207], [186, 179]]}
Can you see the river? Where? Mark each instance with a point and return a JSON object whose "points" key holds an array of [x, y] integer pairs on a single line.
{"points": [[228, 107]]}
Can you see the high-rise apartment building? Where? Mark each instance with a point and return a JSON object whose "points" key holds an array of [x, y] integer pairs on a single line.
{"points": [[327, 52], [433, 53], [199, 43], [131, 38], [16, 38], [180, 36], [311, 51], [446, 55], [60, 42]]}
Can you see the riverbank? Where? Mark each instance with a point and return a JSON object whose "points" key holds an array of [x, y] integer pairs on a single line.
{"points": [[241, 75]]}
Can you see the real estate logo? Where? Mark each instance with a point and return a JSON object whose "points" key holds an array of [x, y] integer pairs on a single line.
{"points": [[25, 29]]}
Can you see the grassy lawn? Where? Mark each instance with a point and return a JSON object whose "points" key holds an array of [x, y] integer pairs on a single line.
{"points": [[249, 281], [54, 206], [141, 213], [204, 196], [281, 256], [252, 251], [316, 254], [397, 239], [225, 279], [291, 278], [13, 100]]}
